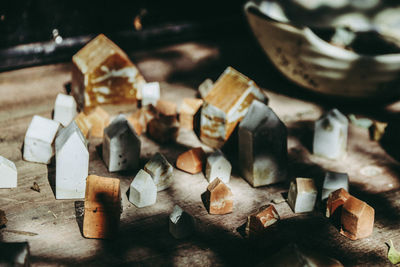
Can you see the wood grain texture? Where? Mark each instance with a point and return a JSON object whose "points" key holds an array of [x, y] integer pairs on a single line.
{"points": [[143, 238]]}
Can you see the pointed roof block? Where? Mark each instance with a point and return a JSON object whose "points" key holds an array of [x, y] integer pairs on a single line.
{"points": [[72, 163], [98, 119], [225, 106], [143, 191], [103, 74], [218, 166], [65, 109], [330, 135], [160, 170], [191, 161], [121, 145], [102, 207], [302, 195], [218, 198], [181, 223], [39, 140], [357, 219], [8, 173], [262, 146], [261, 219]]}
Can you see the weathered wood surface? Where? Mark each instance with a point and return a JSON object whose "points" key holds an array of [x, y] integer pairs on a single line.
{"points": [[144, 238]]}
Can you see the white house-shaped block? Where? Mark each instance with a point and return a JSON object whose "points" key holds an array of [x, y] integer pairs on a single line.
{"points": [[150, 93], [217, 166], [262, 146], [330, 135], [334, 181], [160, 170], [39, 140], [72, 163], [143, 191], [65, 109], [121, 145], [181, 223], [8, 173], [302, 195]]}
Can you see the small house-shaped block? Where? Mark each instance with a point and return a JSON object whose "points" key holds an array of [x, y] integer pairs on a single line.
{"points": [[181, 223], [260, 220], [334, 181], [330, 135], [218, 198], [335, 202], [72, 163], [205, 87], [121, 145], [8, 173], [102, 207], [39, 140], [143, 191], [164, 126], [65, 109], [302, 195], [191, 161], [188, 111], [225, 106], [160, 170], [103, 74], [98, 120], [217, 166], [262, 146], [357, 219]]}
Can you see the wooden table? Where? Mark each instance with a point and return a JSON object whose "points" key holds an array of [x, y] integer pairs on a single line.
{"points": [[144, 238]]}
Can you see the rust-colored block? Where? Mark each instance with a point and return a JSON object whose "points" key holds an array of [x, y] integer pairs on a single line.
{"points": [[166, 108], [357, 219], [218, 198], [103, 74], [162, 132], [102, 207], [335, 202], [191, 161], [83, 123], [189, 108], [99, 119], [260, 220]]}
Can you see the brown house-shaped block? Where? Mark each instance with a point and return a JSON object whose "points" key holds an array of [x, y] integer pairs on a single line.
{"points": [[260, 220], [102, 207], [99, 120], [164, 126], [218, 198], [335, 202], [226, 105], [188, 111], [357, 219], [191, 161], [103, 74]]}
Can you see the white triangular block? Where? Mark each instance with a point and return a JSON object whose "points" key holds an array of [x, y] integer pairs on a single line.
{"points": [[218, 166], [65, 109], [181, 223], [160, 170], [39, 140], [150, 93], [8, 173], [143, 191], [330, 135], [302, 195], [334, 181], [72, 163], [121, 145], [262, 146]]}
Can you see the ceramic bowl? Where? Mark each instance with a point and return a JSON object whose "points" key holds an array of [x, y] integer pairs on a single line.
{"points": [[315, 64]]}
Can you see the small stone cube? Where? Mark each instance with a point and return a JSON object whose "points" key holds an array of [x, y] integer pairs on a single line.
{"points": [[8, 173], [65, 109], [189, 108], [205, 87], [160, 170], [14, 254], [330, 135], [181, 223], [102, 207], [143, 191], [191, 161], [357, 219], [150, 93], [99, 119], [83, 123], [334, 181], [302, 195], [39, 140], [218, 166], [260, 220], [121, 146], [218, 198], [72, 163]]}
